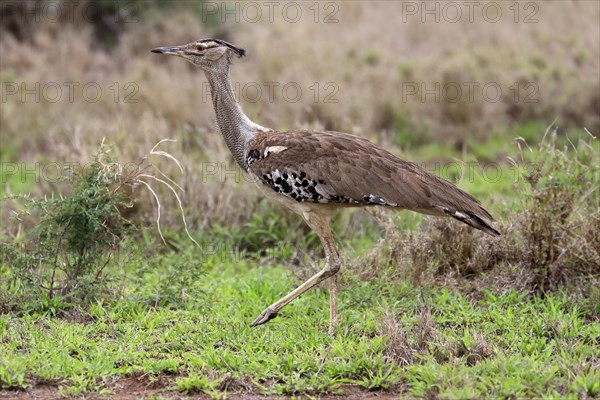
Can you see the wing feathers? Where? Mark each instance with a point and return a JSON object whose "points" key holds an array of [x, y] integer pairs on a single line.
{"points": [[350, 169]]}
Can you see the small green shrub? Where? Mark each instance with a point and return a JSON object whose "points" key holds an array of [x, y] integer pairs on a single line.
{"points": [[63, 260], [75, 237]]}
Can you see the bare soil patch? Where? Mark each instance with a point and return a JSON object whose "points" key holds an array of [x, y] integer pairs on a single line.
{"points": [[132, 388]]}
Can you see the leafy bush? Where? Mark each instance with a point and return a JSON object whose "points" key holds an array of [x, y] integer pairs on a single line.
{"points": [[75, 236], [63, 259]]}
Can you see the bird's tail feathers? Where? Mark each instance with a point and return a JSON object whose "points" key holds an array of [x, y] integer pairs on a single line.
{"points": [[473, 220]]}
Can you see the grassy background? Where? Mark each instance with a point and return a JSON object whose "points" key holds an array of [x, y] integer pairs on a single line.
{"points": [[429, 309]]}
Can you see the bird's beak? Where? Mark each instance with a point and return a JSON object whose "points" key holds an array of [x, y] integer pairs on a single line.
{"points": [[174, 50]]}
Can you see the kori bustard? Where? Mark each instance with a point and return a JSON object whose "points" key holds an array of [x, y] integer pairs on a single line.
{"points": [[314, 173]]}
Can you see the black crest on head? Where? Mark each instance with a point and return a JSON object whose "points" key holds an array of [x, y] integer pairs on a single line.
{"points": [[239, 51]]}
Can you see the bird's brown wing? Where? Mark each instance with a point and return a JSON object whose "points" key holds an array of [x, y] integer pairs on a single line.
{"points": [[334, 167]]}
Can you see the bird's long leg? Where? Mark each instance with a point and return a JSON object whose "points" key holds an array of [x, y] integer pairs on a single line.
{"points": [[320, 224]]}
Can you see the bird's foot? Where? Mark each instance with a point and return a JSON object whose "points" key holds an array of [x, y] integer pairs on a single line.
{"points": [[265, 316]]}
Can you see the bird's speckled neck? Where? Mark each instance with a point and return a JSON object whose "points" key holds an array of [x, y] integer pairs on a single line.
{"points": [[236, 128]]}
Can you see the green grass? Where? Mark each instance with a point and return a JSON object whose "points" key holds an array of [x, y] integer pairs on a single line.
{"points": [[502, 345]]}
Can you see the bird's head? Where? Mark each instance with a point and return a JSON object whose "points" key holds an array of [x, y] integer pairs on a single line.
{"points": [[208, 54]]}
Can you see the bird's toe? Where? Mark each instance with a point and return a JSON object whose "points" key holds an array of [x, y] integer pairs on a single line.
{"points": [[265, 316]]}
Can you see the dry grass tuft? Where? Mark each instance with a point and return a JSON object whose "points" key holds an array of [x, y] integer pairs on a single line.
{"points": [[424, 340], [139, 176], [398, 347], [425, 331]]}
